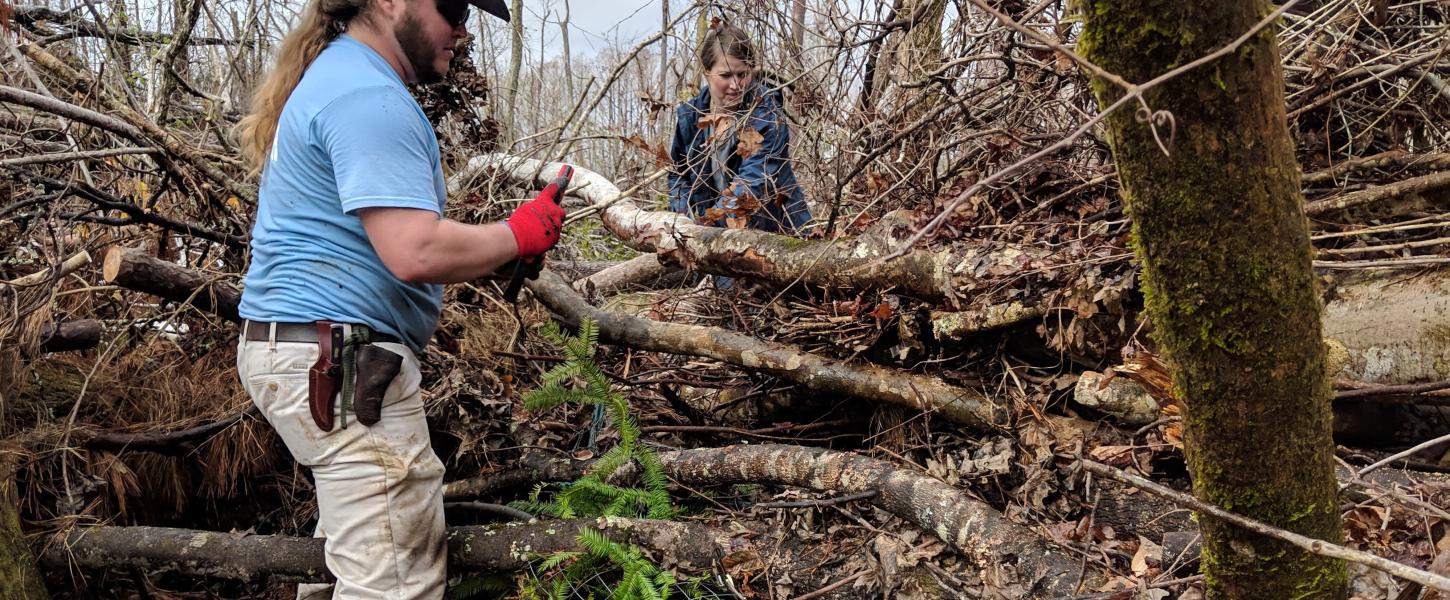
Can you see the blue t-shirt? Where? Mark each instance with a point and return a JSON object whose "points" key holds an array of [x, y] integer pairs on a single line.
{"points": [[350, 137]]}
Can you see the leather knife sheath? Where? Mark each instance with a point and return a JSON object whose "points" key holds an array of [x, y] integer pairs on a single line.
{"points": [[323, 379]]}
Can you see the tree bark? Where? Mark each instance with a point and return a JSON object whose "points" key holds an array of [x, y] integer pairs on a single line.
{"points": [[920, 392], [70, 335], [516, 60], [641, 269], [1221, 234], [19, 579], [479, 549], [133, 269], [1391, 327]]}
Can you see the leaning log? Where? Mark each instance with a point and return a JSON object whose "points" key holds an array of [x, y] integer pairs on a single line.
{"points": [[247, 557], [70, 335], [781, 260], [133, 269], [829, 376]]}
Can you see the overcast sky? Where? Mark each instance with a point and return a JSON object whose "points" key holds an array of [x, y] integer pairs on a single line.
{"points": [[594, 24]]}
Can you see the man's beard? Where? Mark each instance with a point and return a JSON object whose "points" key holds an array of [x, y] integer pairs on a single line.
{"points": [[418, 51]]}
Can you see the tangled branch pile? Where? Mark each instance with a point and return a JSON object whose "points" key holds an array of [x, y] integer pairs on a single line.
{"points": [[964, 123]]}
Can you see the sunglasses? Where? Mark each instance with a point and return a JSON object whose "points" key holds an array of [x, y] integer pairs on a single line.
{"points": [[454, 11]]}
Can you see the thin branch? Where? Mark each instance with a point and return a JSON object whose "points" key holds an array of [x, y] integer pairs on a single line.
{"points": [[1308, 544]]}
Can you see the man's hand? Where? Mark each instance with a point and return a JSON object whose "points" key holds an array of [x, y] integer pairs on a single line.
{"points": [[536, 224]]}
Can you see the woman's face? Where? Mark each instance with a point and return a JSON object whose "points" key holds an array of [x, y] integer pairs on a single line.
{"points": [[728, 80]]}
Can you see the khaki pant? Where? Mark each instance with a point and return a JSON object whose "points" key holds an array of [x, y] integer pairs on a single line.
{"points": [[379, 488]]}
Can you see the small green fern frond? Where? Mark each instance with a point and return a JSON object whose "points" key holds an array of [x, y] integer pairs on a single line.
{"points": [[557, 559]]}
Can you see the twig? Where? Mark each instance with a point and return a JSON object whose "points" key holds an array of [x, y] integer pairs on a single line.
{"points": [[163, 440], [1308, 544], [834, 586], [1392, 390], [81, 155], [68, 266], [1399, 455], [498, 510], [1398, 263], [820, 502], [1133, 93], [603, 205]]}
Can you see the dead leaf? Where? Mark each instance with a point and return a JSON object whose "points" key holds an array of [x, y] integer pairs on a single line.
{"points": [[1149, 555], [653, 106], [750, 141], [738, 216], [715, 123], [882, 312], [1118, 456], [662, 158]]}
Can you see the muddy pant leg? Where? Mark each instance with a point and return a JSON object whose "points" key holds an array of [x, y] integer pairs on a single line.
{"points": [[379, 488]]}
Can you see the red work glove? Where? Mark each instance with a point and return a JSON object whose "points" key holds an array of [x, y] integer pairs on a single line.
{"points": [[536, 224]]}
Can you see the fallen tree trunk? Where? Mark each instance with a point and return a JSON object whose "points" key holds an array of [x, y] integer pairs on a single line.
{"points": [[503, 548], [891, 386], [1392, 327], [133, 269], [1427, 188], [973, 528], [776, 259], [1003, 552], [70, 335], [165, 442]]}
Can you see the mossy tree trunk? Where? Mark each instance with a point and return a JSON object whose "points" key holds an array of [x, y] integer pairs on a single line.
{"points": [[1223, 242], [19, 579]]}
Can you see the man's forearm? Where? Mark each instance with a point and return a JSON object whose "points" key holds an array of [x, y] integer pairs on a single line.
{"points": [[460, 252]]}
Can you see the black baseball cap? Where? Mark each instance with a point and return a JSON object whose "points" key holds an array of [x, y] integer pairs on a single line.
{"points": [[496, 8]]}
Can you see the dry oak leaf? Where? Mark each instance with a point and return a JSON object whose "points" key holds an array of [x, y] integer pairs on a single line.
{"points": [[716, 124], [750, 141], [653, 106], [662, 158]]}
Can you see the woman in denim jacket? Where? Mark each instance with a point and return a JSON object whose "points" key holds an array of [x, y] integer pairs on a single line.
{"points": [[731, 150]]}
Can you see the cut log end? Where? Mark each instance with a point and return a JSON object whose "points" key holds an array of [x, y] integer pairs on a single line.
{"points": [[114, 261]]}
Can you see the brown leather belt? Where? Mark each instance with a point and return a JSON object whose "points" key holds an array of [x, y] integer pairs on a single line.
{"points": [[257, 331]]}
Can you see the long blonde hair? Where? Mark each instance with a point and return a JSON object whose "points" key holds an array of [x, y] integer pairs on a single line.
{"points": [[321, 22]]}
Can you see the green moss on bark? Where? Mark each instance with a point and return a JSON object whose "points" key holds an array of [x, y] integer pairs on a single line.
{"points": [[19, 579], [1224, 247]]}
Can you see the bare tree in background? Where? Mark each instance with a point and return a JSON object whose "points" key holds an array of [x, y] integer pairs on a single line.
{"points": [[516, 61]]}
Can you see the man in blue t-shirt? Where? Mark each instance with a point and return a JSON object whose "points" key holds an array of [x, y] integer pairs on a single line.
{"points": [[350, 235]]}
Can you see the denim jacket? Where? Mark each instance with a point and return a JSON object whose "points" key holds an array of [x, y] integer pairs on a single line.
{"points": [[766, 174]]}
